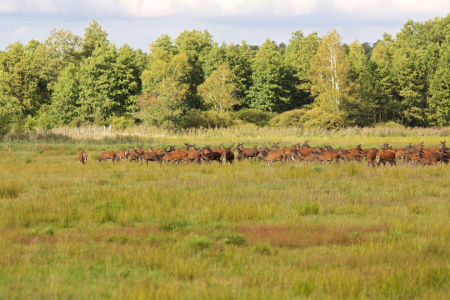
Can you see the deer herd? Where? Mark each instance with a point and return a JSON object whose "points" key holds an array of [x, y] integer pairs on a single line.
{"points": [[417, 154]]}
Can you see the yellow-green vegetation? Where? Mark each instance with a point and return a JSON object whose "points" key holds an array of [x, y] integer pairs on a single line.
{"points": [[243, 231]]}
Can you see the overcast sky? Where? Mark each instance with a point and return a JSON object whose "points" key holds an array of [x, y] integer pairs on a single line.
{"points": [[138, 22]]}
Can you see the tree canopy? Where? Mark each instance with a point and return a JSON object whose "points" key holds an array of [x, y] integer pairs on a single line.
{"points": [[73, 80]]}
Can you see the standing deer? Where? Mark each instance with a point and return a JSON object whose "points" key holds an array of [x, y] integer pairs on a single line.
{"points": [[82, 158]]}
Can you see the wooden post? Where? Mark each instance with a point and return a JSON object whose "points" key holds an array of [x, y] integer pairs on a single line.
{"points": [[104, 129], [144, 130]]}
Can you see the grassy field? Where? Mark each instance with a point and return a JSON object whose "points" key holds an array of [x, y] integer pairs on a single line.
{"points": [[246, 231]]}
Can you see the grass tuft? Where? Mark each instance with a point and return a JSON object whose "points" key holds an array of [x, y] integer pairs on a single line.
{"points": [[173, 226], [10, 190], [235, 239], [308, 208]]}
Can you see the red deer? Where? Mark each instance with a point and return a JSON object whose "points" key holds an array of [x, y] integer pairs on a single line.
{"points": [[371, 156], [194, 155], [327, 157], [385, 156], [107, 155], [350, 156], [211, 156], [82, 158], [189, 147], [175, 157], [229, 155], [367, 151], [121, 155], [248, 152], [307, 159], [426, 160], [275, 146], [148, 156], [271, 157], [217, 149], [385, 146]]}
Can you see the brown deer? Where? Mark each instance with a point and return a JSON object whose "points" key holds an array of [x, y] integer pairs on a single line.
{"points": [[175, 157], [108, 155], [327, 157], [82, 158], [426, 160], [229, 155], [385, 156], [123, 154], [210, 156], [349, 156], [371, 156], [148, 156], [272, 157], [306, 158]]}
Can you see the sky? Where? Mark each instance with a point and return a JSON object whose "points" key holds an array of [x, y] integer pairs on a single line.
{"points": [[139, 22]]}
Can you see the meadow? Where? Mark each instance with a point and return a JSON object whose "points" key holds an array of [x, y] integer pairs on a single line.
{"points": [[242, 231]]}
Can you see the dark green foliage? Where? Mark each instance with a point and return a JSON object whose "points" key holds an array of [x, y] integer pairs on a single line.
{"points": [[72, 80], [173, 225], [254, 116]]}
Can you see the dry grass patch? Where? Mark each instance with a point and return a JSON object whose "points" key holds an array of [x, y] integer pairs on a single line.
{"points": [[308, 235]]}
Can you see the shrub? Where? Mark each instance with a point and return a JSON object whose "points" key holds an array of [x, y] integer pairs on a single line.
{"points": [[390, 124], [120, 122], [235, 239], [317, 118], [254, 116], [289, 118], [173, 225], [198, 243], [208, 119]]}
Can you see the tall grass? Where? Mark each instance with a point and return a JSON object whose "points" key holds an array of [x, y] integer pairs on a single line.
{"points": [[219, 231]]}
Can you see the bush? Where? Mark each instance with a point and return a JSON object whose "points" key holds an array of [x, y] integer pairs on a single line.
{"points": [[235, 239], [120, 122], [289, 118], [77, 122], [317, 118], [390, 124], [198, 243], [254, 116], [208, 119], [173, 226]]}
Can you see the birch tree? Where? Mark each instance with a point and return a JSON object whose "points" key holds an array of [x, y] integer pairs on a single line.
{"points": [[330, 73], [218, 90]]}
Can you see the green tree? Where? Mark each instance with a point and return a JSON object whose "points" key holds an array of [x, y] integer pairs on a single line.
{"points": [[299, 54], [19, 90], [109, 83], [94, 37], [218, 90], [268, 92], [163, 101], [330, 71], [440, 89], [196, 45], [61, 48], [65, 106]]}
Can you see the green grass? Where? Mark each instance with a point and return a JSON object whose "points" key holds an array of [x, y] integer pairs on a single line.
{"points": [[245, 231]]}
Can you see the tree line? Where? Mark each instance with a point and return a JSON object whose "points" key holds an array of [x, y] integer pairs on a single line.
{"points": [[192, 81]]}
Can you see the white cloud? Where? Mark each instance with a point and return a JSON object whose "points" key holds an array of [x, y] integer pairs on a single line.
{"points": [[417, 6], [22, 31], [152, 8], [33, 6]]}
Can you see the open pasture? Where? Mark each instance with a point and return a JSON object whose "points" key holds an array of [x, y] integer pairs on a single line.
{"points": [[242, 231]]}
